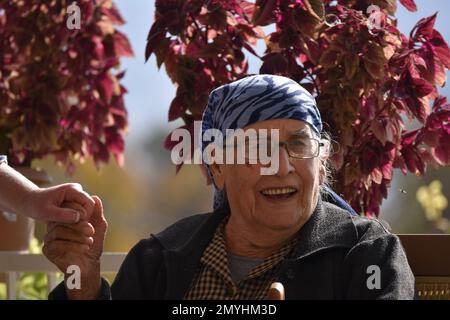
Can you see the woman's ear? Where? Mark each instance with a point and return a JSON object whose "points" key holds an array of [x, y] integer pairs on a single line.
{"points": [[322, 172], [323, 158], [325, 149], [218, 175]]}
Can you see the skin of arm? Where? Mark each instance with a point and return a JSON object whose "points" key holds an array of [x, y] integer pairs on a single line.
{"points": [[20, 195]]}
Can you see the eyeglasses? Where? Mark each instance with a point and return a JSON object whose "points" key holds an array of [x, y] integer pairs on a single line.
{"points": [[300, 148]]}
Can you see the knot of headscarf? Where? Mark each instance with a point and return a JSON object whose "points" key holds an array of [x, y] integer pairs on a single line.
{"points": [[258, 98]]}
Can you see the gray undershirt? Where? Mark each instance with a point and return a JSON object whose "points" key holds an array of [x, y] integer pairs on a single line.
{"points": [[240, 266]]}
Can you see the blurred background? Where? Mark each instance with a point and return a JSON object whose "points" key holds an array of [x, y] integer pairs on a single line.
{"points": [[146, 195]]}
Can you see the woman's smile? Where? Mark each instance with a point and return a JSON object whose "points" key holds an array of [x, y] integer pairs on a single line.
{"points": [[279, 194]]}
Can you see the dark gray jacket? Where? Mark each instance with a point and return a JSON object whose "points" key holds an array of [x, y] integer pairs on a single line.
{"points": [[338, 256]]}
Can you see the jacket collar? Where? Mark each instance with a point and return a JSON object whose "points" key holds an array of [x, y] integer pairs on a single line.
{"points": [[184, 243], [328, 227], [190, 233]]}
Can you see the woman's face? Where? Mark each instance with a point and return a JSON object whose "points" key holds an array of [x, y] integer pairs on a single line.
{"points": [[283, 200]]}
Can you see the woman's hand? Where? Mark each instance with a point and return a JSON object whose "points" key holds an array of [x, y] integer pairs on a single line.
{"points": [[79, 244]]}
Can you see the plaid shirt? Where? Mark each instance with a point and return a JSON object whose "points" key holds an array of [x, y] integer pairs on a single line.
{"points": [[213, 279]]}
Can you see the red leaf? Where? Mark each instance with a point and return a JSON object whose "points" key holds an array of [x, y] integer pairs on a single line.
{"points": [[421, 88], [434, 70], [156, 34], [443, 53], [440, 48], [263, 14], [176, 109], [99, 49], [120, 159], [409, 137], [100, 152], [399, 162], [377, 175], [369, 161], [113, 14], [120, 75], [387, 171], [425, 27], [420, 164], [122, 45], [442, 152], [414, 64], [178, 168], [381, 129], [409, 4], [439, 102], [368, 107], [410, 159], [383, 190], [114, 141], [251, 50], [107, 88], [274, 63], [168, 143]]}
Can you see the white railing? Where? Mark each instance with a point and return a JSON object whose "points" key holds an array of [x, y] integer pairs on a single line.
{"points": [[13, 263]]}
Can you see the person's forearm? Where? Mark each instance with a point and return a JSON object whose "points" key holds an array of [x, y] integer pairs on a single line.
{"points": [[14, 188]]}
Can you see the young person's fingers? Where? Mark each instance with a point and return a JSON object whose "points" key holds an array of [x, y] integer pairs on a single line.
{"points": [[73, 192], [61, 215]]}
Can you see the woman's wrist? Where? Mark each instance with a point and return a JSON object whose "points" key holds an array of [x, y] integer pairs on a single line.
{"points": [[90, 284]]}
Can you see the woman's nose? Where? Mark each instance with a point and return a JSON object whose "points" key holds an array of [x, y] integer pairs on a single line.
{"points": [[284, 163]]}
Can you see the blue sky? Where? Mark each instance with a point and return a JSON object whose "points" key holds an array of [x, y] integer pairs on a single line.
{"points": [[151, 91]]}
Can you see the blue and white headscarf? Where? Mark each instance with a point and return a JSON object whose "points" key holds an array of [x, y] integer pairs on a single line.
{"points": [[258, 98]]}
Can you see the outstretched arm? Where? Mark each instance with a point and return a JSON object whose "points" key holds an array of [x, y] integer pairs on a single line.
{"points": [[21, 196]]}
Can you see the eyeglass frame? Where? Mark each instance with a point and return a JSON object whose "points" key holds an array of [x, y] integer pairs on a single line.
{"points": [[286, 145]]}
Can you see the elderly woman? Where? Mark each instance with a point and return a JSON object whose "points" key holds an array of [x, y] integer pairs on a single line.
{"points": [[285, 227]]}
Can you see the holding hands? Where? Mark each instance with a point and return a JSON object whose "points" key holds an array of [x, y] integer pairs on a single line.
{"points": [[79, 244], [20, 195], [76, 225]]}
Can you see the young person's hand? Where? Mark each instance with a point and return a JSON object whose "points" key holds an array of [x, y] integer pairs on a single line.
{"points": [[46, 204], [20, 195]]}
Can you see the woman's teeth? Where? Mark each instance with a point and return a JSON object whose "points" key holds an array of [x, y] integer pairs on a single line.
{"points": [[278, 191]]}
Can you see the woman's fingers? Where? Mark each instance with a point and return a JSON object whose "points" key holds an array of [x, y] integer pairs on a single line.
{"points": [[100, 224], [57, 250], [82, 227], [78, 244], [98, 218], [62, 232]]}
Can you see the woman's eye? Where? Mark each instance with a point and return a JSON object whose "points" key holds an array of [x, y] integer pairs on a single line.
{"points": [[297, 143]]}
